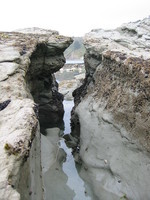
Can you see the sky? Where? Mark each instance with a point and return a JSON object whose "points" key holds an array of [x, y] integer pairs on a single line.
{"points": [[70, 17]]}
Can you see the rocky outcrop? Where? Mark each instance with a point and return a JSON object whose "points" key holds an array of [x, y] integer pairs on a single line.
{"points": [[28, 92], [70, 77], [112, 112]]}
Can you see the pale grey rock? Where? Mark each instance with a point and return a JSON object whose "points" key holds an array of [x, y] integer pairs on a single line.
{"points": [[17, 123], [131, 38], [36, 30], [52, 159], [68, 80], [49, 148], [66, 87], [8, 53], [115, 164], [80, 76], [31, 182], [22, 80], [7, 69], [111, 113]]}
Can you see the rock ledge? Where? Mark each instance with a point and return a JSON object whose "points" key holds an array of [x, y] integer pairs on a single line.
{"points": [[27, 61]]}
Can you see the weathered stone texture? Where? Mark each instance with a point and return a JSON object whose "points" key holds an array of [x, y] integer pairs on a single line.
{"points": [[113, 109], [27, 61]]}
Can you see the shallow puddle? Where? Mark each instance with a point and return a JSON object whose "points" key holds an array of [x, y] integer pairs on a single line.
{"points": [[60, 172], [61, 179], [69, 167]]}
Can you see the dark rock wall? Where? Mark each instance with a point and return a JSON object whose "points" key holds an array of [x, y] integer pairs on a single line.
{"points": [[43, 86], [91, 63]]}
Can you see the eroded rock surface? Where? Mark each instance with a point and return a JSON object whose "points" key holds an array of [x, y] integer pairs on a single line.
{"points": [[27, 90], [54, 178], [112, 112]]}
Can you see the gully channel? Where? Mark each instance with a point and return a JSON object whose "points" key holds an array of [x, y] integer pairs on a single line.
{"points": [[60, 172]]}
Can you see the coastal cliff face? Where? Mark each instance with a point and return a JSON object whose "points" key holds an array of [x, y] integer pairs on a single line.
{"points": [[112, 112], [28, 59]]}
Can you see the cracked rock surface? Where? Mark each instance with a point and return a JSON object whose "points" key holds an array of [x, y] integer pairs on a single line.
{"points": [[112, 112], [28, 59]]}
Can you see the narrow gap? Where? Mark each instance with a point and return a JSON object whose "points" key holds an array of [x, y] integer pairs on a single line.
{"points": [[60, 170], [71, 74], [61, 178]]}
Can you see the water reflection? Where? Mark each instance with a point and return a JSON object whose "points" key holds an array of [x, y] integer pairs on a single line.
{"points": [[60, 173], [68, 105], [61, 179], [69, 167], [55, 181], [74, 181]]}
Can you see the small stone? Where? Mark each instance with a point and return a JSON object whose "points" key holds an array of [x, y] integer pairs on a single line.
{"points": [[105, 161], [4, 104]]}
